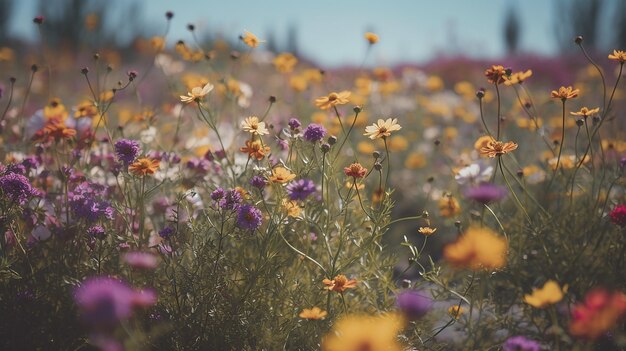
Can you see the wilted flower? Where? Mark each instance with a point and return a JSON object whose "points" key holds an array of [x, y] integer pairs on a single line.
{"points": [[313, 313], [339, 284], [520, 343], [476, 249], [413, 304], [549, 294], [382, 128], [359, 333], [333, 99]]}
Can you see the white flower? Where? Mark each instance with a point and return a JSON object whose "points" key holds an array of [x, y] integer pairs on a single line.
{"points": [[474, 174]]}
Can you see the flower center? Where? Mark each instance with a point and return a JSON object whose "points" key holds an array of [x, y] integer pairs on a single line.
{"points": [[332, 97]]}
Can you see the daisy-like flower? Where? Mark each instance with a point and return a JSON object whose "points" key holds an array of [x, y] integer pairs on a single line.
{"points": [[456, 311], [250, 39], [144, 166], [361, 333], [313, 313], [371, 38], [565, 93], [496, 74], [255, 149], [197, 93], [549, 294], [497, 148], [618, 55], [333, 99], [339, 284], [517, 77], [382, 128], [281, 175], [355, 170], [585, 112], [427, 230], [253, 126]]}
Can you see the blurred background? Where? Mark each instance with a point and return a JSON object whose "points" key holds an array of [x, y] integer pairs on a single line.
{"points": [[328, 33]]}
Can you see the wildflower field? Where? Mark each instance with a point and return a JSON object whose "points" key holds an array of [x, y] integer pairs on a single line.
{"points": [[224, 197]]}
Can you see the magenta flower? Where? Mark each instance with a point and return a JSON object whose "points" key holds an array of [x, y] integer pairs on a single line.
{"points": [[141, 260], [413, 304]]}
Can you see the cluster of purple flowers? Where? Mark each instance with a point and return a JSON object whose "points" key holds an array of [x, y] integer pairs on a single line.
{"points": [[300, 189], [86, 202], [96, 232], [226, 199], [127, 150], [249, 217], [17, 188], [314, 132], [520, 343]]}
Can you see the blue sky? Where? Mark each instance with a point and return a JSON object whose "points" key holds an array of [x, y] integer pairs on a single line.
{"points": [[331, 32]]}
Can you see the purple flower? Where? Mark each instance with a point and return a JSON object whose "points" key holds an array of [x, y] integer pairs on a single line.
{"points": [[96, 232], [105, 301], [300, 189], [16, 187], [413, 304], [167, 232], [249, 217], [294, 123], [486, 193], [258, 182], [218, 194], [141, 260], [231, 200], [520, 343], [314, 132], [127, 150], [86, 202]]}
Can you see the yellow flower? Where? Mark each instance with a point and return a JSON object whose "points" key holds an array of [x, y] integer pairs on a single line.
{"points": [[285, 62], [456, 311], [157, 43], [427, 230], [281, 175], [482, 142], [371, 38], [415, 160], [292, 208], [86, 108], [144, 166], [298, 83], [55, 110], [549, 294], [254, 126], [478, 248], [360, 333], [333, 99], [250, 39], [565, 93], [517, 77], [585, 112], [313, 313], [449, 206], [339, 284], [197, 93], [496, 74], [618, 55], [497, 148], [382, 128]]}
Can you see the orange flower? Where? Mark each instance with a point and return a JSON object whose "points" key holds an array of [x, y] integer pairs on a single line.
{"points": [[250, 39], [255, 149], [371, 38], [449, 206], [517, 77], [285, 62], [618, 55], [313, 313], [333, 99], [339, 284], [565, 93], [355, 170], [599, 313], [497, 148], [281, 175], [427, 231], [496, 74], [144, 166], [478, 248], [54, 130], [586, 112]]}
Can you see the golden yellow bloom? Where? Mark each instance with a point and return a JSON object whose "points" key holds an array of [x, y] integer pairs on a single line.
{"points": [[365, 333], [292, 208], [86, 108], [415, 160], [482, 142], [497, 148], [434, 83], [250, 39], [255, 149], [281, 175], [6, 54], [144, 166], [585, 112], [313, 313], [157, 43], [456, 311], [382, 128], [371, 38], [55, 110], [197, 93], [496, 74], [298, 83], [565, 93], [449, 206], [549, 294], [478, 248], [427, 230], [285, 62], [333, 99], [517, 77], [339, 284], [618, 55], [106, 96], [254, 126]]}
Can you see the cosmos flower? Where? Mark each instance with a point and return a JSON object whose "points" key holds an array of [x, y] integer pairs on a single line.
{"points": [[314, 313], [144, 166], [497, 148], [371, 38], [250, 39], [281, 175], [565, 93], [618, 55], [255, 149], [253, 126], [197, 93], [428, 231], [598, 314], [339, 284], [382, 128], [333, 99], [585, 112], [449, 206], [517, 77], [359, 332], [285, 62], [549, 294], [477, 249], [496, 74]]}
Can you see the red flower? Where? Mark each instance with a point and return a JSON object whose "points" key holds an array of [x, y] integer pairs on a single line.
{"points": [[598, 314], [618, 215]]}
